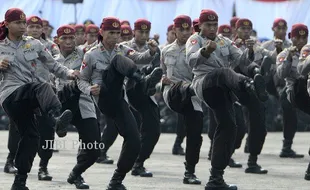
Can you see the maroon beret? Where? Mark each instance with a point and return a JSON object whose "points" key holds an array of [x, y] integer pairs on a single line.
{"points": [[207, 15], [123, 22], [170, 27], [110, 23], [14, 14], [79, 28], [126, 30], [91, 28], [279, 22], [65, 30], [233, 21], [298, 30], [224, 29], [45, 22], [182, 21], [142, 24], [34, 20], [243, 22]]}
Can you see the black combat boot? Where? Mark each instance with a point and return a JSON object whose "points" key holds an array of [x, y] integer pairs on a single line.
{"points": [[77, 180], [9, 167], [20, 182], [287, 151], [216, 181], [233, 164], [116, 182], [177, 148], [253, 167], [139, 169], [62, 121], [43, 174], [104, 159], [307, 175], [189, 175], [148, 82], [257, 87]]}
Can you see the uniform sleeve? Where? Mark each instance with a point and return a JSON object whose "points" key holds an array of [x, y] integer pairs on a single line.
{"points": [[53, 66], [193, 53], [271, 54], [54, 50], [241, 59], [162, 62], [303, 66], [86, 72], [143, 58], [283, 65]]}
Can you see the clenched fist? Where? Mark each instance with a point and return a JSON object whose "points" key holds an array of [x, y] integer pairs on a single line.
{"points": [[95, 90], [4, 65], [153, 46], [209, 48]]}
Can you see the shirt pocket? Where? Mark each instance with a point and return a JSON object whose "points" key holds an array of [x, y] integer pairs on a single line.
{"points": [[170, 63], [224, 51], [32, 55]]}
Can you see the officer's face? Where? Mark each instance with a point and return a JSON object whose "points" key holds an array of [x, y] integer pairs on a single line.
{"points": [[244, 32], [183, 34], [300, 41], [280, 32], [79, 38], [110, 37], [141, 36], [16, 28], [227, 35], [66, 43], [234, 31], [34, 30], [91, 37], [209, 29], [126, 38], [171, 36], [45, 28]]}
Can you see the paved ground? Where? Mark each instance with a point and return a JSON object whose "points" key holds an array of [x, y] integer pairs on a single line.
{"points": [[284, 174]]}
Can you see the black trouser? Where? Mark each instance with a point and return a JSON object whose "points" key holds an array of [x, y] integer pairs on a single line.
{"points": [[217, 92], [180, 130], [13, 140], [193, 121], [20, 107], [88, 129], [109, 134], [150, 120], [241, 128], [113, 105], [47, 136]]}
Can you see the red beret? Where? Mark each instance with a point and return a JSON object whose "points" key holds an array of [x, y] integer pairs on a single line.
{"points": [[79, 28], [91, 28], [125, 22], [243, 22], [182, 21], [233, 21], [126, 30], [110, 23], [224, 29], [34, 20], [170, 27], [207, 15], [45, 22], [279, 22], [65, 30], [196, 22], [142, 24], [14, 14], [298, 30]]}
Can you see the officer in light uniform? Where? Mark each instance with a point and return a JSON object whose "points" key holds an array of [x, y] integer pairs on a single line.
{"points": [[212, 59], [226, 31], [147, 108], [180, 97], [102, 75], [291, 97], [233, 22], [170, 36], [126, 33], [23, 92], [81, 105], [80, 34], [91, 35]]}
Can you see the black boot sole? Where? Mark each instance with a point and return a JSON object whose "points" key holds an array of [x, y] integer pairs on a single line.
{"points": [[62, 123], [285, 155], [222, 188], [307, 177], [6, 170], [185, 181], [47, 178], [155, 78], [255, 171]]}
